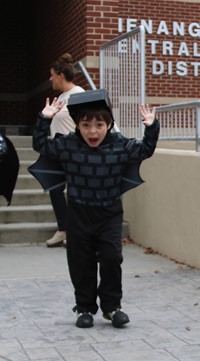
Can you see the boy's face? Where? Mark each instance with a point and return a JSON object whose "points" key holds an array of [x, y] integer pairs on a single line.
{"points": [[93, 131]]}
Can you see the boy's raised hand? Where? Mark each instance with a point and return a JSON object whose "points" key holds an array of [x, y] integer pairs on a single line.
{"points": [[147, 114], [51, 109]]}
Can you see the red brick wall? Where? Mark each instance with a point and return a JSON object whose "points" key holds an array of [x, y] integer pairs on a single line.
{"points": [[101, 23]]}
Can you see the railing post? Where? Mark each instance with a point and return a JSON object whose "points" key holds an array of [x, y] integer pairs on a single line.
{"points": [[142, 74], [84, 71], [198, 127]]}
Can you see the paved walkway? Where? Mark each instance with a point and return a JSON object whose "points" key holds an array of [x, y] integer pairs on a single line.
{"points": [[161, 297]]}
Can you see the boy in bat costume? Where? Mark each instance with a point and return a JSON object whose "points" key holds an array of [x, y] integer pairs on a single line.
{"points": [[99, 165]]}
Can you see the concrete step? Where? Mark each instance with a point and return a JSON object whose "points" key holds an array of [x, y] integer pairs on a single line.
{"points": [[27, 181], [34, 213], [26, 233], [21, 141], [34, 233], [24, 164], [27, 197], [27, 154]]}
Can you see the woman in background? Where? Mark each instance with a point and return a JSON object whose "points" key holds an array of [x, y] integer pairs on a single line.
{"points": [[62, 78]]}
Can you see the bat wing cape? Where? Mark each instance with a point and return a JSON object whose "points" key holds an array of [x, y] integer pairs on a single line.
{"points": [[131, 177], [48, 172], [9, 168]]}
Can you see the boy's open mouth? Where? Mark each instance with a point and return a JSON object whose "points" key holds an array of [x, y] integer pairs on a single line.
{"points": [[93, 140]]}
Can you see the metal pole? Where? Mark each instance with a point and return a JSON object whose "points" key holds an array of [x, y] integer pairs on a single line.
{"points": [[90, 81], [198, 128], [142, 60]]}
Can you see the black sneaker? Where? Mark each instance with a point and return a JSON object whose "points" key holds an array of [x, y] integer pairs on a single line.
{"points": [[117, 317], [84, 320]]}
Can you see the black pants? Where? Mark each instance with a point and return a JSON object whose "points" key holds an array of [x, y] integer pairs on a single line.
{"points": [[94, 253], [59, 203]]}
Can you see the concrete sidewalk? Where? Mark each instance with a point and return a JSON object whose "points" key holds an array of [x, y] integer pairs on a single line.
{"points": [[161, 298]]}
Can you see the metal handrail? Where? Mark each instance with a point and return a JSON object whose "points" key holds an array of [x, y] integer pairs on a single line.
{"points": [[180, 121]]}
